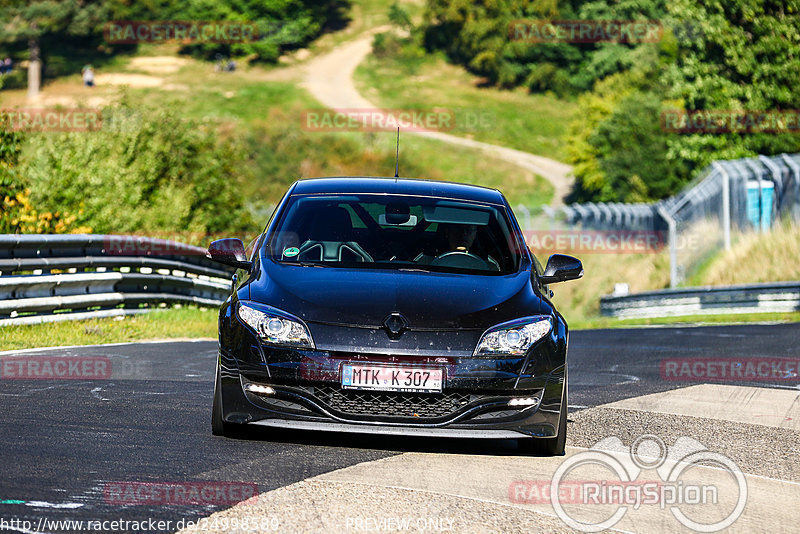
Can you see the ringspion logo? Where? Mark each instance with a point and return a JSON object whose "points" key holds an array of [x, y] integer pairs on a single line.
{"points": [[703, 490]]}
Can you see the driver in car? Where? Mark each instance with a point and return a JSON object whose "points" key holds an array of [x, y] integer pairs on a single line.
{"points": [[460, 238]]}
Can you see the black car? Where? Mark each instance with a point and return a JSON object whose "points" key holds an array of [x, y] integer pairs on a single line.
{"points": [[393, 306]]}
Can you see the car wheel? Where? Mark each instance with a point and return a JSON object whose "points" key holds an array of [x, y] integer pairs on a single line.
{"points": [[218, 425]]}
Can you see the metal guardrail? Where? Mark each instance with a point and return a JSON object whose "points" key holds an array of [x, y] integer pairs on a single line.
{"points": [[727, 196], [760, 298], [63, 277]]}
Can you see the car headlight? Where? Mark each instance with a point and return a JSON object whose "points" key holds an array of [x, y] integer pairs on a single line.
{"points": [[514, 337], [276, 327]]}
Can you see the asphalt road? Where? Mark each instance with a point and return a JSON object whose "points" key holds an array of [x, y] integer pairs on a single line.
{"points": [[66, 442]]}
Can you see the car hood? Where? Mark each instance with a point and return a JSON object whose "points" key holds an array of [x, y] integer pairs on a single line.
{"points": [[365, 297]]}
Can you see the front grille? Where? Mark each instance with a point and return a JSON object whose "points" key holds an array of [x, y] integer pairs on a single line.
{"points": [[383, 403]]}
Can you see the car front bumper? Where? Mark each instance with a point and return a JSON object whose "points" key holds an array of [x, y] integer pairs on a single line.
{"points": [[305, 393]]}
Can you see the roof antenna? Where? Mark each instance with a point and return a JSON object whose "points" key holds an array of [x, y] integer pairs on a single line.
{"points": [[397, 155]]}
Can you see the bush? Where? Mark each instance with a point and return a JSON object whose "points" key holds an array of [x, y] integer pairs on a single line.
{"points": [[18, 215], [405, 50], [16, 79], [144, 171]]}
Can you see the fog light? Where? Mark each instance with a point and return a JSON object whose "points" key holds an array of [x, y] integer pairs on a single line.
{"points": [[259, 390], [524, 401]]}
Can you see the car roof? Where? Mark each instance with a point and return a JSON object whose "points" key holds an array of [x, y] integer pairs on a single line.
{"points": [[403, 186]]}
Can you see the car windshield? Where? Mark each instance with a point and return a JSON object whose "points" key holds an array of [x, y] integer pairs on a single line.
{"points": [[395, 232]]}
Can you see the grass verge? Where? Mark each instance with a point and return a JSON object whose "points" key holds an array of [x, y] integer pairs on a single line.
{"points": [[184, 322], [685, 320]]}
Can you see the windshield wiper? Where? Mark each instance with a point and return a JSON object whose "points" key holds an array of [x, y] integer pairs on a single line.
{"points": [[305, 263]]}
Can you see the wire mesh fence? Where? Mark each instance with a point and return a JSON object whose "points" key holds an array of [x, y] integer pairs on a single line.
{"points": [[726, 199]]}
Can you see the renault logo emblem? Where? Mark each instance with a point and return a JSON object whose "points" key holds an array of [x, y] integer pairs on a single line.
{"points": [[395, 324]]}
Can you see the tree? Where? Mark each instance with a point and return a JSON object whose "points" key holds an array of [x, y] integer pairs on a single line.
{"points": [[488, 38], [32, 20], [743, 56], [739, 55], [282, 24]]}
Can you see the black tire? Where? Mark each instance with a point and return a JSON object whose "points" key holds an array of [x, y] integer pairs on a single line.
{"points": [[218, 426]]}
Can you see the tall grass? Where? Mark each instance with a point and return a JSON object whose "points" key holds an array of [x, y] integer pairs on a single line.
{"points": [[754, 257]]}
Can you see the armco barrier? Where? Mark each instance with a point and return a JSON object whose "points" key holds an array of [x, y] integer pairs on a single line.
{"points": [[752, 298], [60, 277]]}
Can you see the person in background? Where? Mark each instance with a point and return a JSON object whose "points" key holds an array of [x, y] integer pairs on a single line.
{"points": [[88, 76], [6, 66]]}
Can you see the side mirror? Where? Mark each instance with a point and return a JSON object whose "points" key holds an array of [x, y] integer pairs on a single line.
{"points": [[561, 268], [228, 252]]}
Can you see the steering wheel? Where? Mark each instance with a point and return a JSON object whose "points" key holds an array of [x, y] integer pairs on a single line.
{"points": [[332, 250], [460, 259]]}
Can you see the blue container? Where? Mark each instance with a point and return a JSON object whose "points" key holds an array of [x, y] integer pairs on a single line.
{"points": [[759, 209]]}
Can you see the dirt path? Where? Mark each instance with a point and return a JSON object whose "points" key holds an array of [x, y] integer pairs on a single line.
{"points": [[329, 78]]}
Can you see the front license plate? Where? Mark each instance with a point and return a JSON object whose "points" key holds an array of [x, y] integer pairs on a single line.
{"points": [[390, 378]]}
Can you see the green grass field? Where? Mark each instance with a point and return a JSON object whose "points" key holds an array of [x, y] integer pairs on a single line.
{"points": [[532, 123]]}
